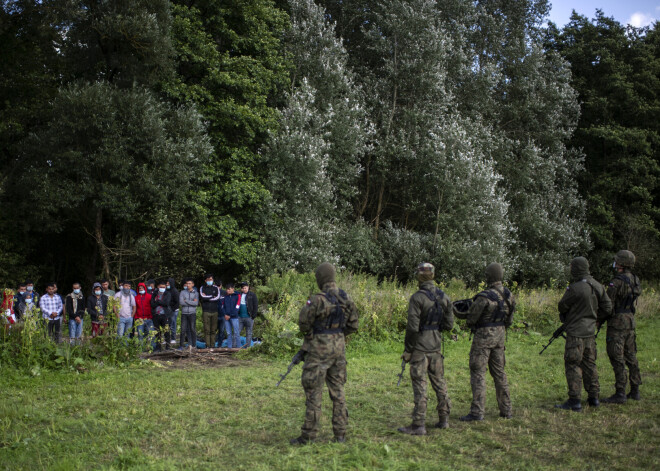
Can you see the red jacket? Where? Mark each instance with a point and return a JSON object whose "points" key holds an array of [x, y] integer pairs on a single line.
{"points": [[143, 303]]}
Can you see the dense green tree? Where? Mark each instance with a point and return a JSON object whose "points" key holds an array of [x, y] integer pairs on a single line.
{"points": [[616, 72], [230, 63]]}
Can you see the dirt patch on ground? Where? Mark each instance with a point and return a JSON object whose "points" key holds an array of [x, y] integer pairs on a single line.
{"points": [[211, 358]]}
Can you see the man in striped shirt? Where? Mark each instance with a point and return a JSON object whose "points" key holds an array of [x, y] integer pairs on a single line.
{"points": [[51, 310]]}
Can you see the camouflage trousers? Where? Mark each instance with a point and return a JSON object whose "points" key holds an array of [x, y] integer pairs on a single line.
{"points": [[580, 364], [422, 364], [488, 353], [622, 350], [332, 372]]}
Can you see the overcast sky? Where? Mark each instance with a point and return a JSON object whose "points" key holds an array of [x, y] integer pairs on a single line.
{"points": [[635, 12]]}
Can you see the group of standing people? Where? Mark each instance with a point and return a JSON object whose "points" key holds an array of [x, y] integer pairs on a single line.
{"points": [[155, 307], [330, 315]]}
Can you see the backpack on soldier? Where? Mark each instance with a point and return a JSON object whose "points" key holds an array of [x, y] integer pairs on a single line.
{"points": [[432, 319]]}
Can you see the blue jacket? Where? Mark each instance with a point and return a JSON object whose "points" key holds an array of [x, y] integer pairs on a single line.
{"points": [[229, 305]]}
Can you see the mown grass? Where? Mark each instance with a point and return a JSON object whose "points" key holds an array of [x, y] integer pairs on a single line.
{"points": [[149, 417]]}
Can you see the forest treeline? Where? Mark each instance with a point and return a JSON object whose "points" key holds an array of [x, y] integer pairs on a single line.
{"points": [[245, 137]]}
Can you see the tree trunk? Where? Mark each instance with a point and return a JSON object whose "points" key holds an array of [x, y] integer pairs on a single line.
{"points": [[103, 251]]}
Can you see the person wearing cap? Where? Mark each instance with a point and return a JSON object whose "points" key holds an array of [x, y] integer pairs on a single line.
{"points": [[621, 339], [325, 320], [209, 295], [97, 308], [488, 317], [584, 303], [429, 313], [248, 305]]}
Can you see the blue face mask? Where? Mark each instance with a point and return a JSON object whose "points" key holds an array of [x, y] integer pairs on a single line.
{"points": [[29, 288], [98, 293], [168, 287], [162, 290], [209, 283], [29, 300], [76, 291]]}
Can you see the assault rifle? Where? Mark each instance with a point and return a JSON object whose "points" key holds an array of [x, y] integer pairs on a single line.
{"points": [[297, 358], [557, 333], [400, 375]]}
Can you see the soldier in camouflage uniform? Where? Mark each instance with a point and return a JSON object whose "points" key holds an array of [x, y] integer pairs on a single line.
{"points": [[325, 320], [623, 290], [429, 313], [584, 303], [488, 317]]}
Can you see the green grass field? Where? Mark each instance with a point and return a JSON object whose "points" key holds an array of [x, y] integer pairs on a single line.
{"points": [[150, 416]]}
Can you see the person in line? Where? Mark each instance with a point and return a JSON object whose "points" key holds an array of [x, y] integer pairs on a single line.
{"points": [[248, 308], [105, 284], [143, 318], [584, 303], [488, 317], [29, 287], [126, 311], [161, 311], [74, 306], [20, 305], [209, 294], [171, 287], [325, 320], [429, 313], [97, 308], [189, 300], [51, 309], [230, 308], [623, 291]]}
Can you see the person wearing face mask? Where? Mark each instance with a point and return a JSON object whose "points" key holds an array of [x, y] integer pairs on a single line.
{"points": [[209, 294], [161, 311], [151, 286], [29, 287], [174, 306], [126, 309], [97, 308], [74, 306], [19, 301], [143, 315]]}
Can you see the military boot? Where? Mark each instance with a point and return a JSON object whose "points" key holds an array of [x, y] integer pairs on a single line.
{"points": [[442, 422], [572, 404], [300, 441], [470, 418], [634, 393], [506, 415], [618, 397], [413, 430], [593, 402]]}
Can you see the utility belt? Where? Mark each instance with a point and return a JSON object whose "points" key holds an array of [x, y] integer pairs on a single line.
{"points": [[489, 324], [429, 327], [338, 330]]}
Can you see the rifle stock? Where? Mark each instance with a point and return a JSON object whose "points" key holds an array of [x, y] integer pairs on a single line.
{"points": [[400, 375]]}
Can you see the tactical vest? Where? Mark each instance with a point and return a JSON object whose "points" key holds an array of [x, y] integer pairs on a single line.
{"points": [[627, 305], [497, 317], [432, 320], [335, 322]]}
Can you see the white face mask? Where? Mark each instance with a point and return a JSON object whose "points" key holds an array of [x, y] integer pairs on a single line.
{"points": [[162, 290], [29, 300], [98, 293], [141, 291], [614, 265]]}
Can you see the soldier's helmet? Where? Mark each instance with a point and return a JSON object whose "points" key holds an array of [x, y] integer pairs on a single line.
{"points": [[625, 258], [425, 272]]}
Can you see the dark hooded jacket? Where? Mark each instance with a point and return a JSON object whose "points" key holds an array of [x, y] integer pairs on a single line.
{"points": [[174, 305], [159, 300], [584, 303]]}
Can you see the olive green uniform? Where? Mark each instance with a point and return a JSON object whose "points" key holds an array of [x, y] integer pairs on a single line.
{"points": [[487, 350], [584, 303], [425, 348], [325, 357], [621, 338]]}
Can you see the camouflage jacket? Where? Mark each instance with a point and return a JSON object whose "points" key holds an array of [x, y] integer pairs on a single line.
{"points": [[619, 293], [419, 305], [483, 310], [584, 302], [317, 308]]}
